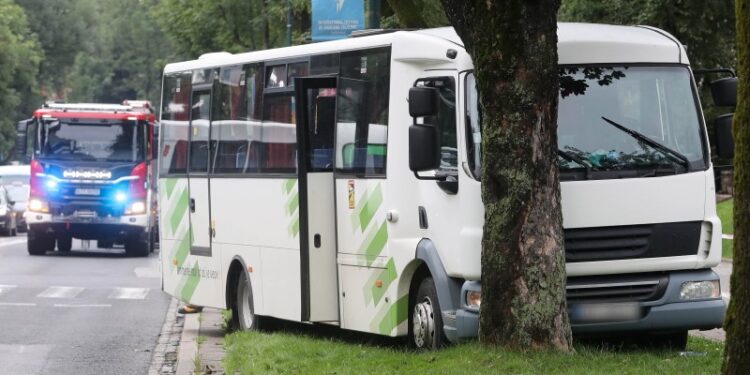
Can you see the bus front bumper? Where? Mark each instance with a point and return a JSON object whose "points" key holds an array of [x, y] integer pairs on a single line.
{"points": [[668, 313]]}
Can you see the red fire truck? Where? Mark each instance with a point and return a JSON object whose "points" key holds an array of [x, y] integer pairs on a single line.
{"points": [[92, 176]]}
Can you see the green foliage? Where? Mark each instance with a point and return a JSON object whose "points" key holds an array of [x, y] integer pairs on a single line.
{"points": [[128, 53], [264, 353], [64, 29], [200, 26], [725, 210], [418, 13], [20, 55], [707, 28]]}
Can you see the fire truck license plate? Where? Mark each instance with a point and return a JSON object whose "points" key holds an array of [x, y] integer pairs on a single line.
{"points": [[87, 191]]}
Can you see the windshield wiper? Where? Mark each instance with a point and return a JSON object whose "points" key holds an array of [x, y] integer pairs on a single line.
{"points": [[576, 159], [674, 155]]}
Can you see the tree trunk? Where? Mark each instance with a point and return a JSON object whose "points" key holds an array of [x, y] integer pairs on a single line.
{"points": [[513, 45], [737, 322]]}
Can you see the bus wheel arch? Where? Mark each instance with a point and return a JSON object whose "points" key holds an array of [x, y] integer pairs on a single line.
{"points": [[432, 293]]}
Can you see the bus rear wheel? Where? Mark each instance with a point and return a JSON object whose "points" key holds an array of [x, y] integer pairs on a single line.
{"points": [[426, 321], [244, 308]]}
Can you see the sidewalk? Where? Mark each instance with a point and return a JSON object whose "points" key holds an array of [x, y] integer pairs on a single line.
{"points": [[202, 344]]}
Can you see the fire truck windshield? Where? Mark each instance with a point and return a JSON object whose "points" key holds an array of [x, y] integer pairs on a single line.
{"points": [[113, 141]]}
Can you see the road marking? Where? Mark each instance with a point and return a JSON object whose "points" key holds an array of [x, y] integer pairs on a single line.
{"points": [[83, 305], [12, 243], [129, 293], [60, 292], [6, 288], [25, 304]]}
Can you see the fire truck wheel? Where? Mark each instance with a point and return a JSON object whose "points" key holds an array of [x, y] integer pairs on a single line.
{"points": [[39, 243], [136, 247], [64, 244]]}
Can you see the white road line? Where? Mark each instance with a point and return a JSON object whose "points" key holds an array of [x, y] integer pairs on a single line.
{"points": [[60, 292], [17, 304], [129, 293], [6, 288], [83, 305], [13, 242]]}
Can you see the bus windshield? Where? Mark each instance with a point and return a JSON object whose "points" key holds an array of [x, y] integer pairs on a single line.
{"points": [[111, 141], [621, 118]]}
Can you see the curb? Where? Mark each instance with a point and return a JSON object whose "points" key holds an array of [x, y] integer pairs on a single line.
{"points": [[188, 345]]}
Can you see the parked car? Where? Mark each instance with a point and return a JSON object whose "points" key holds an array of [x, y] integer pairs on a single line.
{"points": [[7, 214], [15, 179]]}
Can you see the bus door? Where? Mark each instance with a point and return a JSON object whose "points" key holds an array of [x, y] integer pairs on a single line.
{"points": [[316, 123], [200, 215]]}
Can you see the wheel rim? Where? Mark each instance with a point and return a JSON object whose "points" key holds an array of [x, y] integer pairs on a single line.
{"points": [[246, 312], [423, 323]]}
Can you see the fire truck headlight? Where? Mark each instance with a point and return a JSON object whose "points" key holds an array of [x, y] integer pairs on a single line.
{"points": [[38, 205], [51, 184], [121, 197], [136, 208]]}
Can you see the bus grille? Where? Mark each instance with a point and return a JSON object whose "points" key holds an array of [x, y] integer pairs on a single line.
{"points": [[619, 288], [632, 241]]}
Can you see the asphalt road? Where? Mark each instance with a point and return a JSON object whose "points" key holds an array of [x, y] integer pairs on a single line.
{"points": [[88, 312]]}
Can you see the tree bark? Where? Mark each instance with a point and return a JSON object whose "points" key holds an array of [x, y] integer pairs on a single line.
{"points": [[513, 45], [737, 322]]}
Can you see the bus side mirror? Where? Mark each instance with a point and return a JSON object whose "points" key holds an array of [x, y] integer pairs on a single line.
{"points": [[21, 134], [423, 148], [724, 91], [423, 101], [424, 153], [724, 138]]}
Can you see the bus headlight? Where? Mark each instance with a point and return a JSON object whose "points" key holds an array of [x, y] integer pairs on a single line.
{"points": [[473, 299], [38, 205], [138, 207], [700, 290]]}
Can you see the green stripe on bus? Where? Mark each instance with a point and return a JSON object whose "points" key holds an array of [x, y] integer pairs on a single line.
{"points": [[376, 246], [370, 207], [179, 211], [288, 185], [396, 314], [292, 204], [170, 184], [192, 283], [183, 249], [387, 276], [294, 227]]}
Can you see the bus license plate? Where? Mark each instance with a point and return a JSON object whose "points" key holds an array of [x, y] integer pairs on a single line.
{"points": [[87, 191]]}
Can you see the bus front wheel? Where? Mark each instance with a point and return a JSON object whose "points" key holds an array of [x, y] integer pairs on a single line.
{"points": [[426, 322], [244, 309]]}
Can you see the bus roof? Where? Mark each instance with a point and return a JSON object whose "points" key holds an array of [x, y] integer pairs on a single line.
{"points": [[578, 43]]}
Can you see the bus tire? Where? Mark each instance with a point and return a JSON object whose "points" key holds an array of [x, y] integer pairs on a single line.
{"points": [[136, 247], [244, 309], [39, 243], [426, 321], [64, 243]]}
